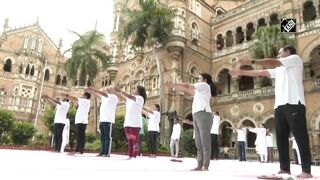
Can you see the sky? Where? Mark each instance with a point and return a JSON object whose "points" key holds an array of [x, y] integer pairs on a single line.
{"points": [[57, 18]]}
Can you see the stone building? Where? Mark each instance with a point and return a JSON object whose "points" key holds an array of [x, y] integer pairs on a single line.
{"points": [[209, 36]]}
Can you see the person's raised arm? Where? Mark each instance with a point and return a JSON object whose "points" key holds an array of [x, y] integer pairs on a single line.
{"points": [[71, 98], [186, 121], [51, 100], [96, 92], [184, 87], [262, 62], [123, 95]]}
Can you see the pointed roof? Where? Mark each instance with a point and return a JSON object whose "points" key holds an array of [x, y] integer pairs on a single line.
{"points": [[35, 26]]}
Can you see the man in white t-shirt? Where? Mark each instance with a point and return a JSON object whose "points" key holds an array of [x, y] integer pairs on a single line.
{"points": [[290, 110], [81, 119], [106, 118], [175, 137], [59, 119], [215, 136]]}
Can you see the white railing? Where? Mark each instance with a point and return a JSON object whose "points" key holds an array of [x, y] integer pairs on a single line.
{"points": [[18, 104]]}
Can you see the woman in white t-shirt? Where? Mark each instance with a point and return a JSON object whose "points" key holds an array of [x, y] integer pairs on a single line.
{"points": [[202, 115], [154, 117], [175, 137], [132, 121]]}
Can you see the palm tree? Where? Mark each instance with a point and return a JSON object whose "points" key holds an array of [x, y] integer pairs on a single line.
{"points": [[150, 26], [87, 58], [87, 54], [269, 41]]}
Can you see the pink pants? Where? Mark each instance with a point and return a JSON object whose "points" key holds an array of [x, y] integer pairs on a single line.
{"points": [[132, 134]]}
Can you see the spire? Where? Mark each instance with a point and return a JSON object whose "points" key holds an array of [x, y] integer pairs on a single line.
{"points": [[96, 25], [5, 26], [37, 22], [60, 44]]}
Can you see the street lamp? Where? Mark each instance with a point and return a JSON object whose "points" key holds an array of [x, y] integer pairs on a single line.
{"points": [[40, 94]]}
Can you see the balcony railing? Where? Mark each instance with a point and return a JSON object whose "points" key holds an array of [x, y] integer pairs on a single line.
{"points": [[258, 92], [18, 104]]}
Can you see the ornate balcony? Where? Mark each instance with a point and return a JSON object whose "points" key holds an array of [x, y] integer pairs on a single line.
{"points": [[250, 94], [176, 43]]}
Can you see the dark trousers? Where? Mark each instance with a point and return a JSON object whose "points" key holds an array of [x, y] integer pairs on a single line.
{"points": [[153, 137], [214, 146], [140, 143], [132, 134], [80, 137], [242, 150], [105, 138], [58, 129], [270, 154], [292, 118]]}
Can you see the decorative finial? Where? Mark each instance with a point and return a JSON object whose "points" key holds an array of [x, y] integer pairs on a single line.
{"points": [[37, 22], [60, 43]]}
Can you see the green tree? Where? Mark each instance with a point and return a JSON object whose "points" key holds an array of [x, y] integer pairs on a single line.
{"points": [[48, 119], [119, 140], [268, 42], [150, 25], [188, 143], [22, 132], [88, 55], [6, 122]]}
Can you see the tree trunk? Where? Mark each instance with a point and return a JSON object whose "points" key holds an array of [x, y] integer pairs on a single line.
{"points": [[161, 89]]}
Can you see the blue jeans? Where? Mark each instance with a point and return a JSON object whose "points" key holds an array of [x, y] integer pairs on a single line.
{"points": [[105, 130], [242, 150]]}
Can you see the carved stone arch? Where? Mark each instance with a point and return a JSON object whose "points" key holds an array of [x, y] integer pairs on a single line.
{"points": [[13, 61], [187, 111], [194, 20], [226, 134], [190, 65], [138, 72], [153, 70], [251, 119], [267, 116], [126, 76], [224, 66], [307, 50]]}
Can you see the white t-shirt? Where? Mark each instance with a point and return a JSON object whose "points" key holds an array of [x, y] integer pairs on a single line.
{"points": [[133, 112], [201, 98], [61, 112], [215, 125], [108, 108], [154, 120], [82, 111], [288, 81], [241, 134], [269, 140], [176, 131]]}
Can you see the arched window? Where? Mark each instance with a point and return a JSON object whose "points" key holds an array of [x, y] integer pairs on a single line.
{"points": [[229, 38], [274, 20], [47, 75], [64, 81], [225, 79], [239, 35], [20, 68], [32, 70], [155, 82], [315, 62], [40, 45], [27, 70], [26, 42], [195, 32], [245, 82], [250, 30], [7, 65], [220, 42], [33, 42], [309, 11], [193, 75], [58, 79], [261, 22]]}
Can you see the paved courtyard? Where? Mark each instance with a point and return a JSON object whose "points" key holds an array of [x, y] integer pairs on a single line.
{"points": [[45, 165]]}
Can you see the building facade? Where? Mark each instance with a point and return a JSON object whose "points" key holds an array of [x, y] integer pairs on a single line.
{"points": [[208, 36]]}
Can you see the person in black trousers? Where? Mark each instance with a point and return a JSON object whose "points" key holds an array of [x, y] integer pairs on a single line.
{"points": [[290, 110]]}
